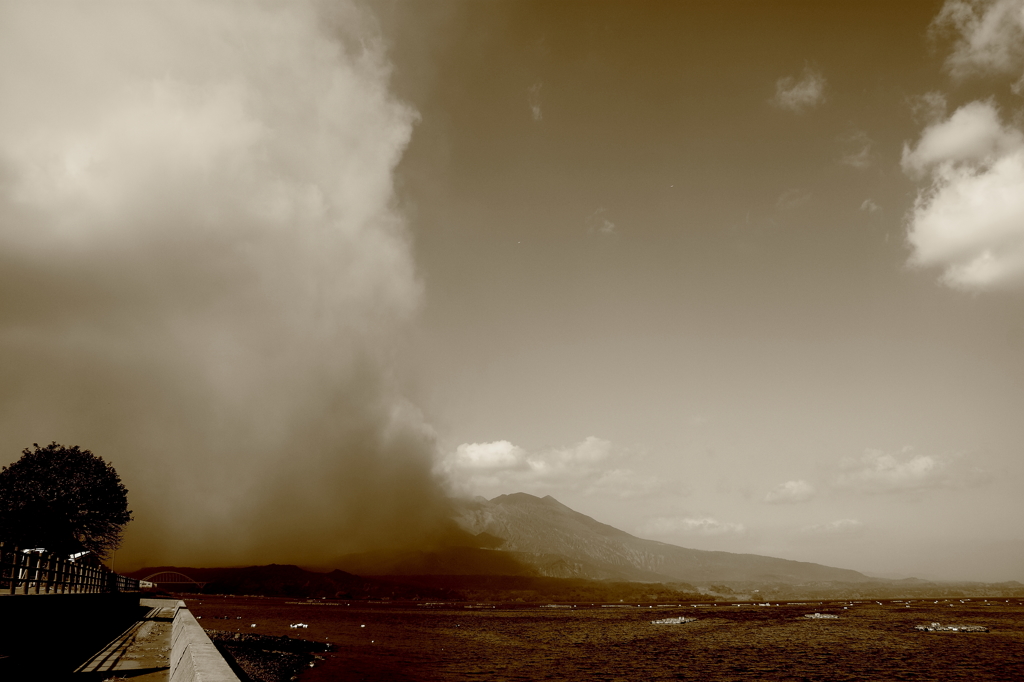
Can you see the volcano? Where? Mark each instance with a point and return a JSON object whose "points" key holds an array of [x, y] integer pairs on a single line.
{"points": [[521, 534]]}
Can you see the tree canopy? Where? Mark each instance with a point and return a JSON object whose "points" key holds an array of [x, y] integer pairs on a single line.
{"points": [[64, 499]]}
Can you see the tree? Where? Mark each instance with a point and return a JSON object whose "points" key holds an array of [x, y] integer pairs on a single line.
{"points": [[63, 499]]}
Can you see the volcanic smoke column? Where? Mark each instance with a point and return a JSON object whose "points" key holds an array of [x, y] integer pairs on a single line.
{"points": [[203, 276]]}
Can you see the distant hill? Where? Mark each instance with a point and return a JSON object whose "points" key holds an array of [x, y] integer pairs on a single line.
{"points": [[524, 548]]}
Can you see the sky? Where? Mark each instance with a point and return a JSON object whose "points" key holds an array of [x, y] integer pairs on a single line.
{"points": [[744, 276]]}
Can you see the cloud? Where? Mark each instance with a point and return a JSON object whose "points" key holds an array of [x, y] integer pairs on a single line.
{"points": [[474, 464], [667, 526], [500, 454], [203, 277], [876, 471], [800, 94], [870, 206], [793, 198], [599, 224], [625, 483], [590, 467], [533, 98], [838, 527], [791, 491], [857, 150], [972, 137], [929, 107], [969, 217], [990, 35]]}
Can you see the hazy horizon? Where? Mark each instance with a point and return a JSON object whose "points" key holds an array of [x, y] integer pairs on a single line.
{"points": [[740, 276]]}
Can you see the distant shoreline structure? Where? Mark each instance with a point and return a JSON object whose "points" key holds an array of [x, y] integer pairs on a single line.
{"points": [[673, 621], [936, 627]]}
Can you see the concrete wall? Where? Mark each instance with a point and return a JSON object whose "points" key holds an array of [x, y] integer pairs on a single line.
{"points": [[194, 658]]}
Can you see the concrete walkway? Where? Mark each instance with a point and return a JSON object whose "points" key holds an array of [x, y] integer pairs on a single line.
{"points": [[141, 653]]}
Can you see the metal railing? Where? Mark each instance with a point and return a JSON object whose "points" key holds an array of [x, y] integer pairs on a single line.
{"points": [[41, 572]]}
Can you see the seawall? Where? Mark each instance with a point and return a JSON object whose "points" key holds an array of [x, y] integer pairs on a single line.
{"points": [[194, 658]]}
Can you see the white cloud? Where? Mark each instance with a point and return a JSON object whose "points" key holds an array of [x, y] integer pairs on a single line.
{"points": [[791, 491], [969, 218], [857, 150], [533, 98], [591, 466], [500, 454], [870, 206], [798, 95], [878, 471], [838, 527], [991, 35], [972, 136], [668, 526]]}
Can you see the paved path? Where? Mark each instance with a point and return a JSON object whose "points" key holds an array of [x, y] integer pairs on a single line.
{"points": [[142, 652]]}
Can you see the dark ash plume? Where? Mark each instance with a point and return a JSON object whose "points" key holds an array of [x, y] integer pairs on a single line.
{"points": [[203, 277]]}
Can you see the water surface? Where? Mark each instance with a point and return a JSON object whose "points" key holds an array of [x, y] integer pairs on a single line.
{"points": [[869, 641]]}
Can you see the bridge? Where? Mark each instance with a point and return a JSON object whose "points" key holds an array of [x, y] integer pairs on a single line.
{"points": [[172, 579]]}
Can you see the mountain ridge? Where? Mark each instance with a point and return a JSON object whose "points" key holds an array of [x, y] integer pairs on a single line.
{"points": [[531, 526]]}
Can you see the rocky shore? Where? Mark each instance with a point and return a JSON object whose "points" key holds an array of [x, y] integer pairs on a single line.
{"points": [[264, 658]]}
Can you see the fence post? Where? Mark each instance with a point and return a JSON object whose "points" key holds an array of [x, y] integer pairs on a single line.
{"points": [[7, 566], [15, 566], [26, 573], [36, 572], [23, 566], [24, 560], [48, 572]]}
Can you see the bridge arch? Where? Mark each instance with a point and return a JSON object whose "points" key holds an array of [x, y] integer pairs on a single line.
{"points": [[170, 578]]}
